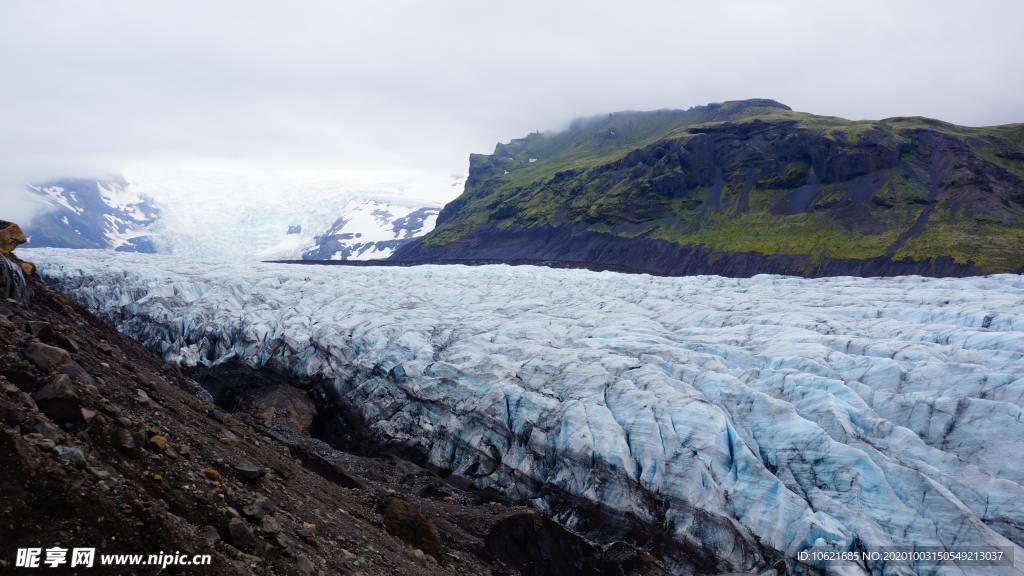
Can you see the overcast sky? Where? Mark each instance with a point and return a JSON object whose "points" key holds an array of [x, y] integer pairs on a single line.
{"points": [[100, 86]]}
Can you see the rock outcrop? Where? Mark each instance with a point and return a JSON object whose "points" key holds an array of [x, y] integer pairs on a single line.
{"points": [[11, 237], [13, 271]]}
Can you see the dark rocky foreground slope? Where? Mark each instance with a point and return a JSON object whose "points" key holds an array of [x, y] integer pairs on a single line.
{"points": [[104, 445], [743, 188]]}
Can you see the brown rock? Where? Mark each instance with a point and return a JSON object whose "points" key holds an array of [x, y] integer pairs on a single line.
{"points": [[10, 237], [282, 404], [159, 442], [404, 521], [212, 474], [46, 357]]}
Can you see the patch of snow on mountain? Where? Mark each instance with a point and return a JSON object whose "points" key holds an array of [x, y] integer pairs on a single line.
{"points": [[86, 213], [55, 196], [740, 415], [266, 216], [371, 229]]}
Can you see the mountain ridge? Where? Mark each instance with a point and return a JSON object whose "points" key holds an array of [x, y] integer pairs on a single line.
{"points": [[92, 213], [744, 187], [113, 213]]}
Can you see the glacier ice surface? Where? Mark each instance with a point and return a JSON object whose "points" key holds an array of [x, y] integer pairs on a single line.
{"points": [[831, 412]]}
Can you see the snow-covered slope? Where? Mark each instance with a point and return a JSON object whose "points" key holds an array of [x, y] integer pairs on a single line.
{"points": [[371, 229], [82, 213], [732, 418], [268, 217], [233, 216]]}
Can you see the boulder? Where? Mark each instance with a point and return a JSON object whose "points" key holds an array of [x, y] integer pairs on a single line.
{"points": [[77, 373], [241, 534], [279, 404], [46, 357], [259, 508], [405, 521], [58, 400], [50, 335], [249, 471], [10, 237]]}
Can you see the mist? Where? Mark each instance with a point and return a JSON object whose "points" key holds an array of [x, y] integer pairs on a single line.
{"points": [[414, 87]]}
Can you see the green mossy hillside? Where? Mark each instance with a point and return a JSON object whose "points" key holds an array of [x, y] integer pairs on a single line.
{"points": [[756, 176]]}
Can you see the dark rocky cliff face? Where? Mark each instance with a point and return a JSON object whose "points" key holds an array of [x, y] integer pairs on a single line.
{"points": [[744, 188], [576, 247], [13, 281]]}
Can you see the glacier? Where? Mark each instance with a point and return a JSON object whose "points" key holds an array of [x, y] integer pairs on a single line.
{"points": [[747, 419]]}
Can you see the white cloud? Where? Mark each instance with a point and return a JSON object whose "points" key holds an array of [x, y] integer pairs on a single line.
{"points": [[417, 86]]}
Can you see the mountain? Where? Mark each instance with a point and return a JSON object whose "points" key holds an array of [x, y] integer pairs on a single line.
{"points": [[221, 218], [81, 213], [745, 187], [371, 229], [328, 225]]}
